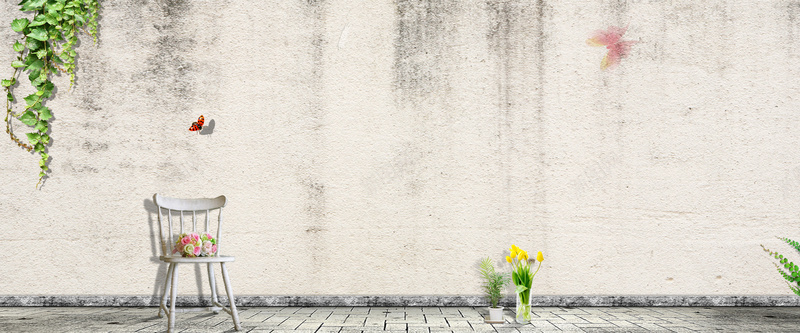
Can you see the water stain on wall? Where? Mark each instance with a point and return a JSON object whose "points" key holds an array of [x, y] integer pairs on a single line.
{"points": [[94, 147], [793, 28], [311, 167], [168, 69], [423, 29], [516, 40]]}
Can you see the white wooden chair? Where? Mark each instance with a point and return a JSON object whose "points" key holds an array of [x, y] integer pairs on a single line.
{"points": [[193, 207]]}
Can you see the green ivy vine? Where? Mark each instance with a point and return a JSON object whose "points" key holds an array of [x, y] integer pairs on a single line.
{"points": [[45, 49]]}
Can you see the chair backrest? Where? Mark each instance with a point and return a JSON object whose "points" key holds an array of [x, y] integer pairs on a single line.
{"points": [[179, 207]]}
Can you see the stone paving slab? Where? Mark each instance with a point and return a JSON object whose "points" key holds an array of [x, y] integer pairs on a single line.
{"points": [[405, 319]]}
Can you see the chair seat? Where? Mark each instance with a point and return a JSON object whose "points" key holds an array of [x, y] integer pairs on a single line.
{"points": [[195, 259]]}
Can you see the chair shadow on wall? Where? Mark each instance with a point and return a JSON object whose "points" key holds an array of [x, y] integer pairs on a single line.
{"points": [[161, 275]]}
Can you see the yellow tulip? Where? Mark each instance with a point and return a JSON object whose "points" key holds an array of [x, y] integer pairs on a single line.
{"points": [[539, 257], [508, 258], [513, 254], [514, 248], [523, 256]]}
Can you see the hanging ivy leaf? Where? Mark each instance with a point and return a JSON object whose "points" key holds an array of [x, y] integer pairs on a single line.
{"points": [[47, 89], [28, 118], [41, 126], [33, 44], [33, 138], [19, 24], [38, 34], [28, 5], [44, 113], [46, 47], [32, 99], [38, 21]]}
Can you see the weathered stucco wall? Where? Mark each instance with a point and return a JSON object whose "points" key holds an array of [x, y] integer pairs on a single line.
{"points": [[384, 147]]}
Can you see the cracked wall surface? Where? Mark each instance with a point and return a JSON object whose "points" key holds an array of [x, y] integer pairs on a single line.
{"points": [[385, 147]]}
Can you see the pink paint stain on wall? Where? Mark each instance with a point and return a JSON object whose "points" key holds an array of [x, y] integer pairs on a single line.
{"points": [[611, 38]]}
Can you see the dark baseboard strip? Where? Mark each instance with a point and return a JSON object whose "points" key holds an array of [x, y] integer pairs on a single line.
{"points": [[397, 301]]}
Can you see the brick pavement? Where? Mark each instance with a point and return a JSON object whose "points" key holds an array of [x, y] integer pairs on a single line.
{"points": [[405, 319]]}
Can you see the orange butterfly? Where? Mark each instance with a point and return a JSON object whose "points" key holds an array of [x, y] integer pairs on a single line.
{"points": [[197, 125], [612, 40]]}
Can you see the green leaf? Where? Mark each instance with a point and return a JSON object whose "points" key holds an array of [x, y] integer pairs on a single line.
{"points": [[17, 64], [18, 46], [38, 21], [520, 289], [39, 147], [51, 19], [44, 155], [38, 81], [34, 45], [41, 53], [41, 163], [10, 97], [29, 5], [31, 99], [19, 24], [54, 33], [47, 89], [38, 34], [35, 65], [6, 83], [41, 126], [46, 140], [41, 174], [34, 74], [44, 113], [33, 138]]}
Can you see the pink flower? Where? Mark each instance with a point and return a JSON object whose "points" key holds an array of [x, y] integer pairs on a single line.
{"points": [[209, 236], [214, 248], [207, 247], [185, 240], [196, 250], [195, 236]]}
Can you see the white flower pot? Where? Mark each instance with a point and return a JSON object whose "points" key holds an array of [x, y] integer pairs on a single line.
{"points": [[495, 315]]}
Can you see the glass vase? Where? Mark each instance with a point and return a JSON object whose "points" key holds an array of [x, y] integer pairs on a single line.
{"points": [[524, 307]]}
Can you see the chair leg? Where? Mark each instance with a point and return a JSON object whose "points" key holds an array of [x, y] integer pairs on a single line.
{"points": [[173, 295], [213, 282], [229, 290], [167, 283]]}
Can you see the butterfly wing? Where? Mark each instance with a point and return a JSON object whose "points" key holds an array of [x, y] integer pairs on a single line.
{"points": [[197, 125], [615, 53], [606, 37]]}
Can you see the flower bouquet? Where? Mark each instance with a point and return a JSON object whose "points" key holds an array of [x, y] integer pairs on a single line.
{"points": [[195, 245], [523, 279]]}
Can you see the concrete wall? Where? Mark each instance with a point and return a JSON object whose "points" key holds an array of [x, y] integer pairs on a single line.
{"points": [[381, 147]]}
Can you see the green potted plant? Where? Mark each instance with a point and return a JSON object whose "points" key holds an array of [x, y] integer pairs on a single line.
{"points": [[494, 283]]}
